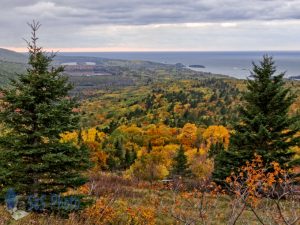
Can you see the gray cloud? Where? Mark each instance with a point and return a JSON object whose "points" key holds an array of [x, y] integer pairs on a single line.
{"points": [[79, 20], [143, 12]]}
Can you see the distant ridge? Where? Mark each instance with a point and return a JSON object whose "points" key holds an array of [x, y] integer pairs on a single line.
{"points": [[98, 71], [11, 56], [11, 63], [294, 78]]}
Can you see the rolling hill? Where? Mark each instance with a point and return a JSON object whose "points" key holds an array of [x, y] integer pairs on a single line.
{"points": [[11, 63], [11, 56], [105, 73]]}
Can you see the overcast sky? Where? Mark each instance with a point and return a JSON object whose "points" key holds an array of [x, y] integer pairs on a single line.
{"points": [[153, 25]]}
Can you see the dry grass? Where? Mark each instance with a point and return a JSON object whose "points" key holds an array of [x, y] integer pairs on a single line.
{"points": [[123, 201]]}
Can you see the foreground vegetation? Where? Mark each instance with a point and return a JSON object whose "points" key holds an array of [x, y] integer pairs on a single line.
{"points": [[170, 147], [126, 201]]}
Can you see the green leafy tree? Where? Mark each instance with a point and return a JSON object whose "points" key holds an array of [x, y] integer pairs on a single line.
{"points": [[265, 126], [180, 164], [35, 110]]}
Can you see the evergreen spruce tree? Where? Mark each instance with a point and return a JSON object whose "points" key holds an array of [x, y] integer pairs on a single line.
{"points": [[265, 127], [133, 155], [127, 160], [35, 110], [130, 157], [180, 166], [120, 151], [149, 147], [215, 149], [112, 162]]}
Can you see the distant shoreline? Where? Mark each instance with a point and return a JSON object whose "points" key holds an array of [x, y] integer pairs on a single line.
{"points": [[235, 63], [196, 66]]}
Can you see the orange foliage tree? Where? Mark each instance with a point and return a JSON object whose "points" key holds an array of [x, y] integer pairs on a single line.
{"points": [[258, 188], [188, 135]]}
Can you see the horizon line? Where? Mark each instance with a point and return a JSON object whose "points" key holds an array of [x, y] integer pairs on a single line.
{"points": [[112, 50]]}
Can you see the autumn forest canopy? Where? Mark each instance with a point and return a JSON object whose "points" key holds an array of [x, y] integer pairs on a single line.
{"points": [[148, 143]]}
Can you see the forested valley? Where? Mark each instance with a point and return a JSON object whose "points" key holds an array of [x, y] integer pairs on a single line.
{"points": [[147, 143]]}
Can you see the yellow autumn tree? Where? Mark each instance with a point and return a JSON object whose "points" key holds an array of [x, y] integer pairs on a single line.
{"points": [[188, 135], [150, 166], [160, 135], [92, 138], [296, 149], [133, 133], [216, 134], [70, 137], [200, 165]]}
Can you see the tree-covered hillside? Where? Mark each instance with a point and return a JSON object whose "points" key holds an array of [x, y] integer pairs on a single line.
{"points": [[172, 102], [106, 74], [11, 56], [11, 63]]}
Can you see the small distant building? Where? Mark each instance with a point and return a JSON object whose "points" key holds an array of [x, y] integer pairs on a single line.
{"points": [[69, 64], [90, 63], [84, 69]]}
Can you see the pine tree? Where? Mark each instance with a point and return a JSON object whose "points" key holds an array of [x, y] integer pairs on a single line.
{"points": [[180, 166], [127, 160], [265, 127], [35, 110], [120, 151], [112, 162], [130, 157], [215, 149], [149, 147]]}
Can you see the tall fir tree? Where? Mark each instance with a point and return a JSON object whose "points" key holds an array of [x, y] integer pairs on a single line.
{"points": [[36, 109], [180, 164], [119, 150], [130, 157], [265, 128], [149, 147]]}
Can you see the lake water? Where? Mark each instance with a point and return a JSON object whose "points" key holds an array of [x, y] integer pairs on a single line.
{"points": [[235, 64]]}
